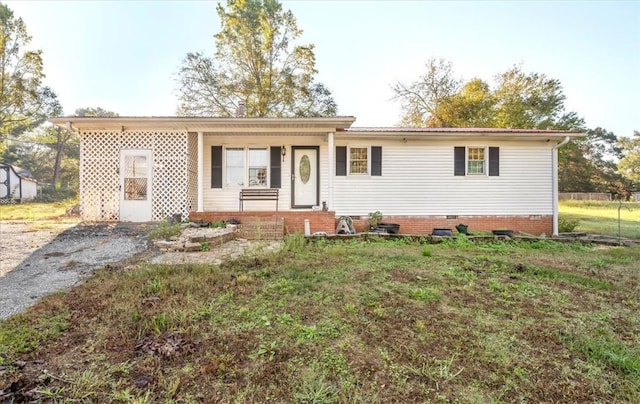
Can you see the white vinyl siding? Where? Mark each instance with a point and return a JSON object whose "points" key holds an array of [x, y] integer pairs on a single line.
{"points": [[418, 179], [226, 199]]}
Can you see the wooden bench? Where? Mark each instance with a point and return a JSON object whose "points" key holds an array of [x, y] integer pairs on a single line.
{"points": [[259, 194]]}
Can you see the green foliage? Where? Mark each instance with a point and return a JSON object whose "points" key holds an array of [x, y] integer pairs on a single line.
{"points": [[422, 101], [94, 112], [519, 100], [629, 165], [375, 218], [257, 63], [22, 334], [603, 347], [165, 229], [427, 252], [588, 165], [294, 242], [24, 101], [218, 224], [571, 278], [566, 225]]}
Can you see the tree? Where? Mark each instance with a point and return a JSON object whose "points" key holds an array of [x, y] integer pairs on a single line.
{"points": [[96, 112], [472, 106], [24, 102], [629, 165], [255, 63], [519, 100], [422, 101], [531, 101], [59, 140], [589, 165]]}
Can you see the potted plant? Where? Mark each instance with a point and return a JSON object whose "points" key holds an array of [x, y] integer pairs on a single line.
{"points": [[374, 219], [376, 225]]}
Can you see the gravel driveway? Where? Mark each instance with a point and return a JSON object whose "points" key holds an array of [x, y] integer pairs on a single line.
{"points": [[37, 258]]}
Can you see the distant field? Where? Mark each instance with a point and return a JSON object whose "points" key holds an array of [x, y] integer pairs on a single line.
{"points": [[602, 217], [35, 210]]}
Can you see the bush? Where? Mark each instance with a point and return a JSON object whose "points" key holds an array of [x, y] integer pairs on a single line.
{"points": [[567, 225]]}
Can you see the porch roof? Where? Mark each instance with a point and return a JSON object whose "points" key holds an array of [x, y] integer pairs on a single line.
{"points": [[457, 133], [206, 124]]}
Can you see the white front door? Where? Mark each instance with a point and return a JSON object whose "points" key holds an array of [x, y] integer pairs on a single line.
{"points": [[135, 185], [305, 180]]}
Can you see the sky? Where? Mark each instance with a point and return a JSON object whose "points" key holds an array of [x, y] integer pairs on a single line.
{"points": [[124, 56]]}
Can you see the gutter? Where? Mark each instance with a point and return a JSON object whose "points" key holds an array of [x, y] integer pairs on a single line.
{"points": [[554, 196]]}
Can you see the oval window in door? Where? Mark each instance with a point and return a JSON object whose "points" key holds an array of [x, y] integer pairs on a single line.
{"points": [[305, 169]]}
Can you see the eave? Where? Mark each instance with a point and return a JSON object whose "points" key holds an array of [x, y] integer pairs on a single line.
{"points": [[458, 134], [207, 124]]}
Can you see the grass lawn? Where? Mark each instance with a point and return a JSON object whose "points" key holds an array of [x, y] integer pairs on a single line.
{"points": [[602, 217], [379, 321], [35, 210]]}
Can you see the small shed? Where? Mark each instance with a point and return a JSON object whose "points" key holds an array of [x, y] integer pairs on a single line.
{"points": [[16, 184]]}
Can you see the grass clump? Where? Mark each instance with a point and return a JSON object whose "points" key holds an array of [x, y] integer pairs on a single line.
{"points": [[23, 333], [165, 229]]}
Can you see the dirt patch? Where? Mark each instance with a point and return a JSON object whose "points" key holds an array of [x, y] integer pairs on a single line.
{"points": [[43, 257]]}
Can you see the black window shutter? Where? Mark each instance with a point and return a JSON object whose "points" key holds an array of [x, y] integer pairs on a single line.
{"points": [[216, 166], [459, 161], [341, 160], [494, 161], [376, 160], [276, 170]]}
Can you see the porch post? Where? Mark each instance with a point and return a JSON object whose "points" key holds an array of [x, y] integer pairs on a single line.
{"points": [[554, 190], [200, 172], [332, 166]]}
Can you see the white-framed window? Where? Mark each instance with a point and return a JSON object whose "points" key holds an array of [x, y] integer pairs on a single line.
{"points": [[358, 160], [246, 167], [476, 160]]}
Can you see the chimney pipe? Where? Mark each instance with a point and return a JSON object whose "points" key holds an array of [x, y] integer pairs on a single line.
{"points": [[240, 111]]}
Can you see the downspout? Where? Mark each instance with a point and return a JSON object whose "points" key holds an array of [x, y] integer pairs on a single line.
{"points": [[332, 166], [555, 183]]}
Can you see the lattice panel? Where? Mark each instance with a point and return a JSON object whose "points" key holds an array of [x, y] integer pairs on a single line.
{"points": [[170, 175], [100, 172], [192, 172]]}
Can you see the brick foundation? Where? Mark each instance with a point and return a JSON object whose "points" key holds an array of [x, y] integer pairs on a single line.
{"points": [[418, 225], [293, 220]]}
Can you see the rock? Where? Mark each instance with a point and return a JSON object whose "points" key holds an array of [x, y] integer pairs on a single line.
{"points": [[189, 246]]}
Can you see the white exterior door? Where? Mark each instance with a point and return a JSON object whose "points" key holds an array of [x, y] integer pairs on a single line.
{"points": [[135, 185], [305, 180]]}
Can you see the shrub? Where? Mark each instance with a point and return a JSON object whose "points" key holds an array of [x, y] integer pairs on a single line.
{"points": [[567, 225]]}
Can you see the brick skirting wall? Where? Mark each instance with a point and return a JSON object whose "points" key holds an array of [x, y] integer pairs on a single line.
{"points": [[535, 225], [418, 225], [293, 220]]}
